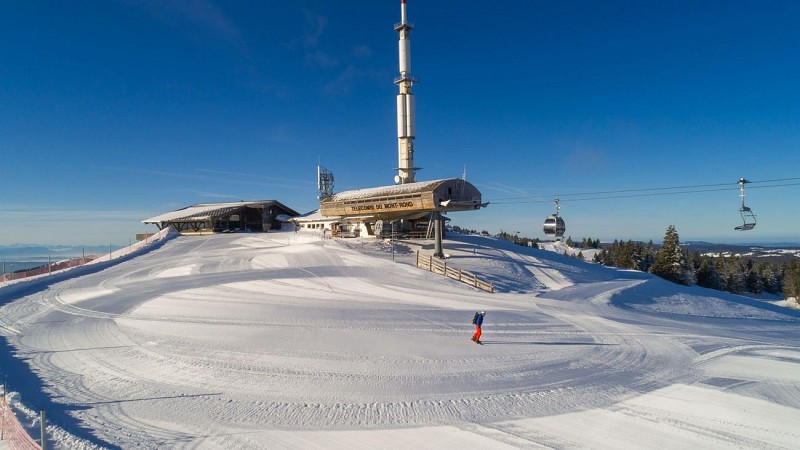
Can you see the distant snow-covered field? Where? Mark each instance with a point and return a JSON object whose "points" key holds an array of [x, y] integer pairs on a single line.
{"points": [[288, 340]]}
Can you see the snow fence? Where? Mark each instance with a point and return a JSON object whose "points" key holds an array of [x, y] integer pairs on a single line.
{"points": [[76, 262], [12, 432]]}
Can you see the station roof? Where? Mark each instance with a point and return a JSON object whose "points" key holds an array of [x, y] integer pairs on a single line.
{"points": [[313, 216], [398, 189], [208, 211]]}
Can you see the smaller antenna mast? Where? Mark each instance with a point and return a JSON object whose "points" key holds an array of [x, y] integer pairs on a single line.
{"points": [[324, 183]]}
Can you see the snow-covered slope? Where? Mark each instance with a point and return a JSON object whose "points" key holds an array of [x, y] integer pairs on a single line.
{"points": [[287, 340]]}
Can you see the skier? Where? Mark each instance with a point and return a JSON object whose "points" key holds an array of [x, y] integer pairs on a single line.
{"points": [[478, 321]]}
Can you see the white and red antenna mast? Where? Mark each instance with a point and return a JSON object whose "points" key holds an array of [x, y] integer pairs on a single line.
{"points": [[405, 103]]}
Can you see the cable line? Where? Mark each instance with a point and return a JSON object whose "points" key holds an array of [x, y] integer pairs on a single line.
{"points": [[641, 192], [775, 181]]}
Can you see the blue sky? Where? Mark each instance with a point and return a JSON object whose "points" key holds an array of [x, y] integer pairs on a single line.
{"points": [[117, 111]]}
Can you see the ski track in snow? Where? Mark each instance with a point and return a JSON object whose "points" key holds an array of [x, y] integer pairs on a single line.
{"points": [[228, 341]]}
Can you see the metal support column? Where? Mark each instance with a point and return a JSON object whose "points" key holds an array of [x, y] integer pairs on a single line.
{"points": [[437, 247]]}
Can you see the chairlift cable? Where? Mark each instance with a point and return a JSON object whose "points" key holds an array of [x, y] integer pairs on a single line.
{"points": [[642, 192]]}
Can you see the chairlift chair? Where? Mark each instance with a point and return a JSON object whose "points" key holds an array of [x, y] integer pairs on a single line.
{"points": [[748, 218]]}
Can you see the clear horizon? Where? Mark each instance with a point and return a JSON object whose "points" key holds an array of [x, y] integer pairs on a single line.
{"points": [[9, 252]]}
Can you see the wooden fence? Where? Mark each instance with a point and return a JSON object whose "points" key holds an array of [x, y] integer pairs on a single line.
{"points": [[435, 265]]}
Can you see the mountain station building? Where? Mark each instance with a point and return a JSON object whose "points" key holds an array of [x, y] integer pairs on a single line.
{"points": [[209, 218]]}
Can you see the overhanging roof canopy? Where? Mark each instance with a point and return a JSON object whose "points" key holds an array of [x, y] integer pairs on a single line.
{"points": [[202, 212]]}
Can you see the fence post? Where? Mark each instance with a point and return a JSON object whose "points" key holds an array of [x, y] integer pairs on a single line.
{"points": [[44, 433], [3, 413]]}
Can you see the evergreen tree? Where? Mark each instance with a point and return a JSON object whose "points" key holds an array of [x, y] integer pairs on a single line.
{"points": [[649, 257], [753, 280], [693, 260], [707, 274], [626, 255], [670, 262], [640, 259], [771, 277], [791, 279], [600, 257], [733, 276]]}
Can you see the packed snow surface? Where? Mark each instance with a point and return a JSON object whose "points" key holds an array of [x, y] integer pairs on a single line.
{"points": [[288, 340]]}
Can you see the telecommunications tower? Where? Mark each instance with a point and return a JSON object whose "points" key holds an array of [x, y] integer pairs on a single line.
{"points": [[405, 103]]}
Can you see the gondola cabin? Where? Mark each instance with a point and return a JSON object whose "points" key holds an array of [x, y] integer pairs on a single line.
{"points": [[554, 226]]}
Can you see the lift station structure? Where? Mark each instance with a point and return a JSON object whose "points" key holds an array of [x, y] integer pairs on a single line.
{"points": [[408, 206]]}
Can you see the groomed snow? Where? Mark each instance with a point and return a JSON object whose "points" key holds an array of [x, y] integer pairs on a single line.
{"points": [[288, 340]]}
